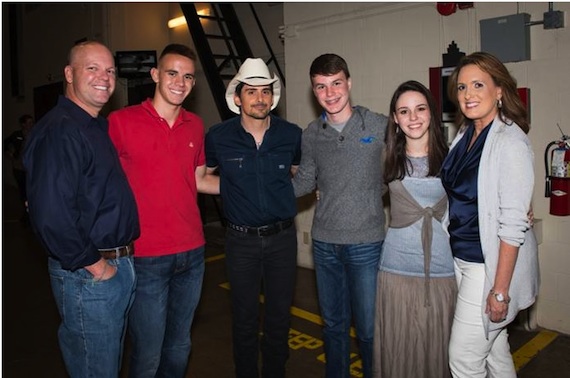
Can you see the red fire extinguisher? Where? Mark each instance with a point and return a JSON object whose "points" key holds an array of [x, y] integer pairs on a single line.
{"points": [[558, 181]]}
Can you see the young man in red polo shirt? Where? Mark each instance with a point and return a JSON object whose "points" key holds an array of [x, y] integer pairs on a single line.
{"points": [[161, 149]]}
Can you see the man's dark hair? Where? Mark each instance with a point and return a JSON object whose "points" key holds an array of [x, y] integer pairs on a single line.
{"points": [[327, 65], [175, 48], [24, 118]]}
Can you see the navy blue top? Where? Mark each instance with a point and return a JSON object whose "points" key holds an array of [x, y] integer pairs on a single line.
{"points": [[255, 185], [79, 198], [459, 174]]}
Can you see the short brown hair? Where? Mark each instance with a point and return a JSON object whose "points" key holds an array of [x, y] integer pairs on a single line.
{"points": [[176, 48], [327, 65]]}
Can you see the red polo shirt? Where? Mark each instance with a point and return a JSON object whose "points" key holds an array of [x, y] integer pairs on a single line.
{"points": [[160, 164]]}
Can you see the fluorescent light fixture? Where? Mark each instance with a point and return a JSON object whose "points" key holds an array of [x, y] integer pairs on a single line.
{"points": [[174, 22], [204, 12]]}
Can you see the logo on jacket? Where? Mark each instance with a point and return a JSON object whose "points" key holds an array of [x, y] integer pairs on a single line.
{"points": [[367, 140]]}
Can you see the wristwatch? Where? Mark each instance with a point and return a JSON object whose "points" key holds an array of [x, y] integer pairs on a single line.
{"points": [[500, 297]]}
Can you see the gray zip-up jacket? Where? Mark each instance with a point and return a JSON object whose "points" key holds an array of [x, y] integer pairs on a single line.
{"points": [[347, 169]]}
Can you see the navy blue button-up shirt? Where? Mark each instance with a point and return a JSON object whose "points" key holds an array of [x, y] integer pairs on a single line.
{"points": [[255, 185], [78, 196]]}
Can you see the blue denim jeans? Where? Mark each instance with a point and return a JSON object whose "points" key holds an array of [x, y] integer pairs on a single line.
{"points": [[250, 261], [93, 317], [168, 292], [346, 284]]}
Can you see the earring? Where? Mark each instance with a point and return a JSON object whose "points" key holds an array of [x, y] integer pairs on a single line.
{"points": [[499, 103]]}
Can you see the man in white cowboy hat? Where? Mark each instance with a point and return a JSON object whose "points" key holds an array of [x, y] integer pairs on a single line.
{"points": [[256, 154]]}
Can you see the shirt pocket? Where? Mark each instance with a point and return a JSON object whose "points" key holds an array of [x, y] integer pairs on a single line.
{"points": [[237, 167], [278, 163]]}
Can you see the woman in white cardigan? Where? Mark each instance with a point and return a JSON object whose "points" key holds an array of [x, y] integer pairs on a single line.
{"points": [[489, 179]]}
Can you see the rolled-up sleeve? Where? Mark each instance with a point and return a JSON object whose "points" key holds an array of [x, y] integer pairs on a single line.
{"points": [[516, 184]]}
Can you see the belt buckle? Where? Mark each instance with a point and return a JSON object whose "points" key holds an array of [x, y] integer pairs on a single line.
{"points": [[117, 252], [263, 230]]}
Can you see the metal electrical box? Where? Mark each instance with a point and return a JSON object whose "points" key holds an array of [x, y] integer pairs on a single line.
{"points": [[507, 37]]}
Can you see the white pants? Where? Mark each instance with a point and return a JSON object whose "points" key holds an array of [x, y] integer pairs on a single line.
{"points": [[471, 355]]}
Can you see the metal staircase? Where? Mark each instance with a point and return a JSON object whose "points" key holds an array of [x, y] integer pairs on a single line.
{"points": [[221, 45]]}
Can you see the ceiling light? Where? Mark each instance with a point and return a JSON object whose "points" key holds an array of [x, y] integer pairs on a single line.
{"points": [[174, 22], [178, 21]]}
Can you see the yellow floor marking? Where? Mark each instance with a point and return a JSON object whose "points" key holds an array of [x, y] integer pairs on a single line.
{"points": [[303, 314], [298, 312], [521, 357], [215, 258], [528, 351]]}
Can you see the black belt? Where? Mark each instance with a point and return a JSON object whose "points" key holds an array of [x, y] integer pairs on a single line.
{"points": [[115, 253], [268, 229]]}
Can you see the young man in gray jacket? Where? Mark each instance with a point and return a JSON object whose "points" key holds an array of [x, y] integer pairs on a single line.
{"points": [[342, 158]]}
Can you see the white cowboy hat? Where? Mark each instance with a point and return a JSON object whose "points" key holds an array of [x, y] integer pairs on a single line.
{"points": [[253, 72]]}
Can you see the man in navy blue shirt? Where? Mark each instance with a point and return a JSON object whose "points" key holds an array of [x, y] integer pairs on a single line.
{"points": [[256, 153], [84, 212]]}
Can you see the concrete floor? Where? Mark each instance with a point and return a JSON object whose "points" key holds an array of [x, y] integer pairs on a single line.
{"points": [[30, 318]]}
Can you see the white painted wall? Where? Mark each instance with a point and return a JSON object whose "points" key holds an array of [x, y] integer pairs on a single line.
{"points": [[388, 43]]}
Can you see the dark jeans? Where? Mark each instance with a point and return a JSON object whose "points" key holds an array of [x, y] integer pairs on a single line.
{"points": [[168, 292], [252, 260]]}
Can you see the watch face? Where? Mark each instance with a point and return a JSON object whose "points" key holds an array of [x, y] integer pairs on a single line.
{"points": [[500, 297]]}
